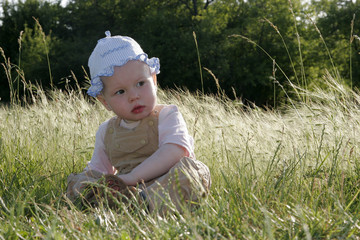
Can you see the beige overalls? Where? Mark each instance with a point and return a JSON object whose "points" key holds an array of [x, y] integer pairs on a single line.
{"points": [[186, 182]]}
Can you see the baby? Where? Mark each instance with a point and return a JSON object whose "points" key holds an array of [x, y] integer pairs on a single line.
{"points": [[146, 148]]}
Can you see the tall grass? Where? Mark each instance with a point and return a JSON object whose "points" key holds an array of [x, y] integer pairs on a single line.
{"points": [[275, 175], [285, 173]]}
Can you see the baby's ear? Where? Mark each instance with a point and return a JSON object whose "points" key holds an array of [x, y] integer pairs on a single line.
{"points": [[154, 78], [101, 98]]}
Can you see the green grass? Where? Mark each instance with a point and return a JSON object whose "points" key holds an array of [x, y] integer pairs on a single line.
{"points": [[290, 173]]}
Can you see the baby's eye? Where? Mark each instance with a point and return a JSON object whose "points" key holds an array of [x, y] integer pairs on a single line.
{"points": [[141, 83], [120, 92]]}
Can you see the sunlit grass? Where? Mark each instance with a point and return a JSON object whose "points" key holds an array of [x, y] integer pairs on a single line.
{"points": [[290, 173]]}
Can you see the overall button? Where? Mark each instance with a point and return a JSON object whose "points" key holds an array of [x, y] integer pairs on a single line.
{"points": [[111, 130], [151, 123], [143, 141]]}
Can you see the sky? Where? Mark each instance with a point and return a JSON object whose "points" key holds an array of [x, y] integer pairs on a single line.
{"points": [[63, 2]]}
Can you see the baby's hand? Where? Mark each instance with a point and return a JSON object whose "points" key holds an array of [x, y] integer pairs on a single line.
{"points": [[128, 179]]}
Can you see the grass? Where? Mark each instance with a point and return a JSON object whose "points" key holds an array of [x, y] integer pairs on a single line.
{"points": [[290, 173], [285, 173]]}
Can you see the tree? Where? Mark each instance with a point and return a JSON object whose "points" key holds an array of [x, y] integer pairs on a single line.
{"points": [[34, 58], [256, 49], [195, 6], [19, 17], [337, 23]]}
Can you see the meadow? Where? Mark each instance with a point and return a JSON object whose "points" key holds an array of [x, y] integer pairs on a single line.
{"points": [[285, 173]]}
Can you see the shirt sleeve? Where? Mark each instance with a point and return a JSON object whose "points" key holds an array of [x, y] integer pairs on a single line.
{"points": [[99, 160], [173, 129]]}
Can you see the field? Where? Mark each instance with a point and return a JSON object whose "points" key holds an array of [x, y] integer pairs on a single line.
{"points": [[290, 173]]}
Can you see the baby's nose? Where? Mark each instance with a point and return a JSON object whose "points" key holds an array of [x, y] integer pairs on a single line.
{"points": [[133, 95]]}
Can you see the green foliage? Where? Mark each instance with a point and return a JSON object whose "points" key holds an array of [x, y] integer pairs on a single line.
{"points": [[340, 23], [25, 17], [302, 40], [34, 58]]}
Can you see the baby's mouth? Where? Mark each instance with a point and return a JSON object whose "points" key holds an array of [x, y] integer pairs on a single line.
{"points": [[137, 109]]}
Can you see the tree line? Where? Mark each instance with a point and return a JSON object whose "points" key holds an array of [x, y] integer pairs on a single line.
{"points": [[249, 49]]}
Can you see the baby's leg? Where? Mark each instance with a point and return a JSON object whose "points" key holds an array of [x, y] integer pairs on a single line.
{"points": [[76, 183], [185, 183], [90, 187]]}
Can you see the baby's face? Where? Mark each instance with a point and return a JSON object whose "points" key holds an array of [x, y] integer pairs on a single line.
{"points": [[130, 92]]}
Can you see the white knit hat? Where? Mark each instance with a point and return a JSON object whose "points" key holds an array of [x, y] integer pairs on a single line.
{"points": [[115, 51]]}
